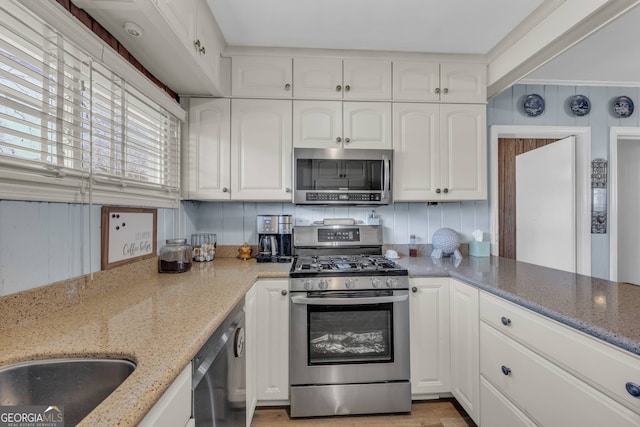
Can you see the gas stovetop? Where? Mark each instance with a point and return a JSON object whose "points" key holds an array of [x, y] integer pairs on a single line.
{"points": [[345, 265]]}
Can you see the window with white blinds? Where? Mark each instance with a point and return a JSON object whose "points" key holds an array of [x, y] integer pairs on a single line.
{"points": [[71, 130]]}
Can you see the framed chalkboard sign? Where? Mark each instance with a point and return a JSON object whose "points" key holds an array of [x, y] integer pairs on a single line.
{"points": [[128, 235]]}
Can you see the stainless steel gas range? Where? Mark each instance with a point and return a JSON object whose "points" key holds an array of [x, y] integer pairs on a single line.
{"points": [[349, 349]]}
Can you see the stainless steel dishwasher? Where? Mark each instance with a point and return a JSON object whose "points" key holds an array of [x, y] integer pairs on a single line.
{"points": [[219, 382]]}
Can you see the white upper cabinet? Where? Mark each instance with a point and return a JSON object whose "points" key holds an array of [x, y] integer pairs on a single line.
{"points": [[463, 83], [439, 152], [349, 79], [336, 124], [434, 82], [261, 149], [261, 77], [319, 78], [206, 154], [416, 81]]}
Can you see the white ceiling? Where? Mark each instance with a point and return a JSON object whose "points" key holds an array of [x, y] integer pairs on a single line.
{"points": [[609, 57], [436, 26]]}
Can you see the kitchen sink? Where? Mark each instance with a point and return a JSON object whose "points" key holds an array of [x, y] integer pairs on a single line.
{"points": [[77, 384]]}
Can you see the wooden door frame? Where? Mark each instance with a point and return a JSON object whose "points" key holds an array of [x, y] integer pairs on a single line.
{"points": [[615, 134], [583, 180]]}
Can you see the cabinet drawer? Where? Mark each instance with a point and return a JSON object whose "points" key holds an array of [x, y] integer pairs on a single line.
{"points": [[544, 392], [606, 368], [497, 411]]}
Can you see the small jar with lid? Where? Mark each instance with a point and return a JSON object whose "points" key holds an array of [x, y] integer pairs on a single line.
{"points": [[175, 256]]}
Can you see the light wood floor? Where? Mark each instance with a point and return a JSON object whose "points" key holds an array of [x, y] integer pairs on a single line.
{"points": [[433, 413]]}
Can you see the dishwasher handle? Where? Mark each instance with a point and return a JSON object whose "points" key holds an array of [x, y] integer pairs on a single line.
{"points": [[348, 301]]}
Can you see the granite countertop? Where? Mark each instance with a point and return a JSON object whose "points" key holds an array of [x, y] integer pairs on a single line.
{"points": [[600, 308], [160, 321]]}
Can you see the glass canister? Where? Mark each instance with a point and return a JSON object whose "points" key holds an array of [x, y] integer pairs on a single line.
{"points": [[203, 246], [175, 256]]}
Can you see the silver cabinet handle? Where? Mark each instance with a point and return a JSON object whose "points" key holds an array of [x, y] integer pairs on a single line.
{"points": [[338, 140], [414, 289], [347, 88], [438, 191], [633, 389], [347, 140], [225, 189], [505, 370], [446, 190], [338, 88], [445, 90], [437, 90], [287, 86], [197, 44], [283, 292], [287, 190]]}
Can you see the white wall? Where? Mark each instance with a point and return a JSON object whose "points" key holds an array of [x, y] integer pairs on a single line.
{"points": [[506, 109], [628, 211]]}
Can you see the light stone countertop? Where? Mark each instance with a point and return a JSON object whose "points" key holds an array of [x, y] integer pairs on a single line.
{"points": [[160, 321]]}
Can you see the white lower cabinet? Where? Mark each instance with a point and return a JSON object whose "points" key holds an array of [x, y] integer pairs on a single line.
{"points": [[272, 367], [497, 410], [173, 409], [465, 375], [429, 328], [251, 326]]}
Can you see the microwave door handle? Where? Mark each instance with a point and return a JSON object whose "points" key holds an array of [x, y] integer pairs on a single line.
{"points": [[387, 179], [348, 301]]}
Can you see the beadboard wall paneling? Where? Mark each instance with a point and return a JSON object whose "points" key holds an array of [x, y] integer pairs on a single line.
{"points": [[42, 243], [506, 109], [235, 222]]}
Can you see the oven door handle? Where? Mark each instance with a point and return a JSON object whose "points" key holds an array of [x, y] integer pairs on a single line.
{"points": [[348, 301]]}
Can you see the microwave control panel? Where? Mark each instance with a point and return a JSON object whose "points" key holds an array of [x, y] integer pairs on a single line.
{"points": [[343, 197]]}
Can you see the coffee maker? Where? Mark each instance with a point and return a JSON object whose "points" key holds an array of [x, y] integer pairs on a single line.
{"points": [[274, 238]]}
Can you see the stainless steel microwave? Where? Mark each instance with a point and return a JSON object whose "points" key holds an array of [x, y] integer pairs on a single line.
{"points": [[335, 176]]}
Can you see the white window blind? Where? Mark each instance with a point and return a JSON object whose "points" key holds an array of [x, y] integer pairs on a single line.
{"points": [[71, 130]]}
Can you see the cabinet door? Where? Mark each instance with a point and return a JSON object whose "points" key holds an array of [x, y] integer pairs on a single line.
{"points": [[173, 409], [463, 156], [367, 124], [463, 82], [259, 77], [273, 340], [181, 17], [465, 369], [366, 79], [319, 78], [210, 43], [251, 322], [260, 149], [416, 81], [206, 176], [429, 328], [317, 124], [416, 152]]}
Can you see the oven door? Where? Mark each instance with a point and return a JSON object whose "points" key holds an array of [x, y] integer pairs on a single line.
{"points": [[344, 337]]}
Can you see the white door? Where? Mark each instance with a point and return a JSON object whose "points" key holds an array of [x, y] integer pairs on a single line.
{"points": [[628, 198], [367, 124], [317, 124], [261, 77], [317, 78], [416, 81], [366, 79], [545, 206]]}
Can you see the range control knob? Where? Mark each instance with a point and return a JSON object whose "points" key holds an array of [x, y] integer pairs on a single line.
{"points": [[323, 284], [391, 283], [349, 284], [375, 282], [308, 285]]}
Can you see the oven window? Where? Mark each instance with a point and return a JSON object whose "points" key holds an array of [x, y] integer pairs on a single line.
{"points": [[350, 334]]}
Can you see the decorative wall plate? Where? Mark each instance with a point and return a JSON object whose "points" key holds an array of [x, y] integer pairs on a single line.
{"points": [[622, 106], [579, 105], [533, 105]]}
